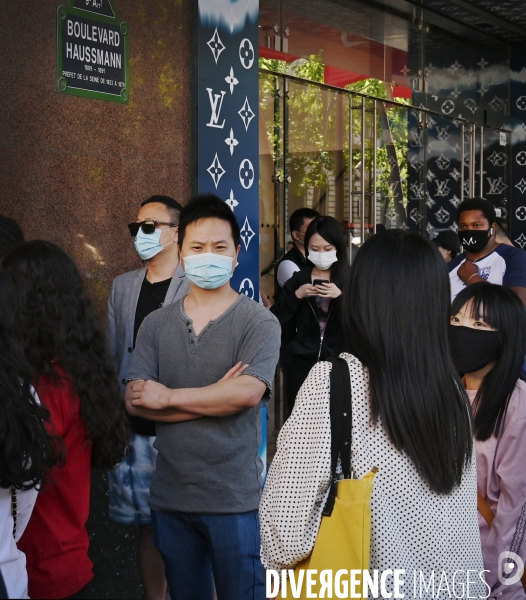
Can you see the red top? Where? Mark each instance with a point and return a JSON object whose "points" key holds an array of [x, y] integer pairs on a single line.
{"points": [[56, 541]]}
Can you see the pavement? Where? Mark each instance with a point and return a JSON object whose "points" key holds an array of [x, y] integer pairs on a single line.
{"points": [[113, 549]]}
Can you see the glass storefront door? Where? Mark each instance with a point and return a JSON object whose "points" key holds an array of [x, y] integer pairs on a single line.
{"points": [[342, 154], [494, 171], [316, 145], [304, 160], [367, 162]]}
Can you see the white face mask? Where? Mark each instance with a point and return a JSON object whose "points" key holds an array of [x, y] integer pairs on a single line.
{"points": [[323, 260]]}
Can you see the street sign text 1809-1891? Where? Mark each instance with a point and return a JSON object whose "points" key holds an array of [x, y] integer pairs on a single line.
{"points": [[92, 51]]}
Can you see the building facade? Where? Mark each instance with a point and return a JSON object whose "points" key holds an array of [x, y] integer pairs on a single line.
{"points": [[372, 111]]}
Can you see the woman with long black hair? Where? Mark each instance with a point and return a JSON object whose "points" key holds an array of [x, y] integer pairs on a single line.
{"points": [[27, 451], [309, 306], [488, 345], [410, 419], [73, 375]]}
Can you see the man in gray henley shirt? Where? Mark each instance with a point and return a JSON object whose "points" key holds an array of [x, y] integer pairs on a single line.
{"points": [[200, 369]]}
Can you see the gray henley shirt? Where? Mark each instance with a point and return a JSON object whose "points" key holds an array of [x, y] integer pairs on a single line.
{"points": [[209, 465]]}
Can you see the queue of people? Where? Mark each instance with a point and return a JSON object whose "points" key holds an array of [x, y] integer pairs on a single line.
{"points": [[169, 402], [200, 368], [395, 324]]}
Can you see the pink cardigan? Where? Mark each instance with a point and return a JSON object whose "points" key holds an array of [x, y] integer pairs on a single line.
{"points": [[501, 478]]}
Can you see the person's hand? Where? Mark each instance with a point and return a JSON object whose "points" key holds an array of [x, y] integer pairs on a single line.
{"points": [[235, 371], [467, 270], [305, 291], [150, 394], [266, 302], [328, 290]]}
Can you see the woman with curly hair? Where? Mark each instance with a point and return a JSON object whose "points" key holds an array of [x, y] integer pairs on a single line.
{"points": [[75, 380], [26, 449]]}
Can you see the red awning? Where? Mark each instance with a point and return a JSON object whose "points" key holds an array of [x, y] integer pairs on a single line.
{"points": [[341, 78], [399, 91], [265, 52], [333, 75]]}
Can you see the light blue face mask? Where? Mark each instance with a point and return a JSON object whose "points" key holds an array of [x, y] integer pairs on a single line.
{"points": [[209, 270], [148, 244]]}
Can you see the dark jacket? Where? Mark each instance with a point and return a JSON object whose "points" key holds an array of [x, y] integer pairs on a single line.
{"points": [[304, 338]]}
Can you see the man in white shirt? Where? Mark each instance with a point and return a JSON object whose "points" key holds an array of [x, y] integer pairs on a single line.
{"points": [[484, 259], [294, 259]]}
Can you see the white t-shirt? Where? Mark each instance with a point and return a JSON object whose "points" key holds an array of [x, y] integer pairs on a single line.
{"points": [[505, 266], [12, 561], [286, 270]]}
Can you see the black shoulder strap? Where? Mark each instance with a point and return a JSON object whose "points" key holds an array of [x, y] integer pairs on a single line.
{"points": [[341, 424]]}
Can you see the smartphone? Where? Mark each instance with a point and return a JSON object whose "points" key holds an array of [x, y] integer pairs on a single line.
{"points": [[320, 281]]}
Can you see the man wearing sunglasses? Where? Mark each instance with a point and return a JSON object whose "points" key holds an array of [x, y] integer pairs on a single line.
{"points": [[135, 295]]}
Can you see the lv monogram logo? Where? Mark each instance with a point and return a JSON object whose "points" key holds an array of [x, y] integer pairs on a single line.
{"points": [[442, 133], [418, 138], [216, 102], [417, 189], [442, 188], [497, 185]]}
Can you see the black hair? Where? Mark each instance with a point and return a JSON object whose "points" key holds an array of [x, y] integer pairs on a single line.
{"points": [[396, 323], [298, 217], [331, 231], [208, 206], [10, 234], [174, 208], [448, 240], [486, 207], [454, 253], [57, 323], [27, 452], [503, 310]]}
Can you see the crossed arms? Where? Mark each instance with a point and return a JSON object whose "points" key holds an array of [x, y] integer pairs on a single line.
{"points": [[231, 394]]}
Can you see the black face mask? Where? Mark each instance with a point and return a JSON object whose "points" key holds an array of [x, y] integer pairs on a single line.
{"points": [[474, 240], [472, 349]]}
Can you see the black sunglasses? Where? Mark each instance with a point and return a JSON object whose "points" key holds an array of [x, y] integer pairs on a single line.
{"points": [[146, 226]]}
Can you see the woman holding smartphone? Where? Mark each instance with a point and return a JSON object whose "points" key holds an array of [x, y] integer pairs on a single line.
{"points": [[311, 299]]}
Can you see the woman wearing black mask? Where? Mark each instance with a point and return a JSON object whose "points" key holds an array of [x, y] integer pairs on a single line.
{"points": [[488, 344]]}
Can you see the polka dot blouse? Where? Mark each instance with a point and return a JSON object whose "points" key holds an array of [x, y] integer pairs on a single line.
{"points": [[413, 528]]}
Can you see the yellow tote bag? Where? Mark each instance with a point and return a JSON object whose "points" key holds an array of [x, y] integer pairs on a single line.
{"points": [[344, 536]]}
